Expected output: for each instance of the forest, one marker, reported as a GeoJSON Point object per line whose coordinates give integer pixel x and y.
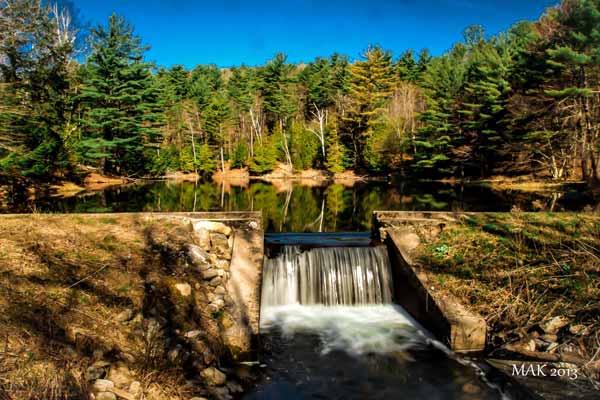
{"type": "Point", "coordinates": [524, 102]}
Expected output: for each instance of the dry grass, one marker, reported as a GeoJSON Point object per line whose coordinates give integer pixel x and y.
{"type": "Point", "coordinates": [518, 269]}
{"type": "Point", "coordinates": [63, 279]}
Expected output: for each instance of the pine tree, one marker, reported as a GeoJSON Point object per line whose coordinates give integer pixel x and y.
{"type": "Point", "coordinates": [439, 141]}
{"type": "Point", "coordinates": [407, 67]}
{"type": "Point", "coordinates": [36, 43]}
{"type": "Point", "coordinates": [372, 81]}
{"type": "Point", "coordinates": [336, 156]}
{"type": "Point", "coordinates": [122, 101]}
{"type": "Point", "coordinates": [575, 57]}
{"type": "Point", "coordinates": [277, 90]}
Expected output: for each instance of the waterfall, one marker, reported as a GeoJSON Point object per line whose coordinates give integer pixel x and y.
{"type": "Point", "coordinates": [329, 276]}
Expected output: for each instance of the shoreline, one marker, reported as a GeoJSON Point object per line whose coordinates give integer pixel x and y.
{"type": "Point", "coordinates": [283, 177]}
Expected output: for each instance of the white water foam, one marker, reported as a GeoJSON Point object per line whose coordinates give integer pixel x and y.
{"type": "Point", "coordinates": [357, 330]}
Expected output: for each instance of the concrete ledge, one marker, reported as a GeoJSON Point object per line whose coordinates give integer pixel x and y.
{"type": "Point", "coordinates": [461, 329]}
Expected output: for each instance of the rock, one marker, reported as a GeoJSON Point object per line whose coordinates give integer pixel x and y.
{"type": "Point", "coordinates": [102, 385]}
{"type": "Point", "coordinates": [125, 315]}
{"type": "Point", "coordinates": [216, 281]}
{"type": "Point", "coordinates": [552, 347]}
{"type": "Point", "coordinates": [222, 264]}
{"type": "Point", "coordinates": [219, 303]}
{"type": "Point", "coordinates": [579, 330]}
{"type": "Point", "coordinates": [192, 334]}
{"type": "Point", "coordinates": [548, 338]}
{"type": "Point", "coordinates": [253, 225]}
{"type": "Point", "coordinates": [220, 243]}
{"type": "Point", "coordinates": [120, 375]}
{"type": "Point", "coordinates": [209, 274]}
{"type": "Point", "coordinates": [213, 376]}
{"type": "Point", "coordinates": [202, 236]}
{"type": "Point", "coordinates": [127, 357]}
{"type": "Point", "coordinates": [525, 344]}
{"type": "Point", "coordinates": [220, 290]}
{"type": "Point", "coordinates": [554, 324]}
{"type": "Point", "coordinates": [96, 371]}
{"type": "Point", "coordinates": [135, 388]}
{"type": "Point", "coordinates": [184, 289]}
{"type": "Point", "coordinates": [198, 256]}
{"type": "Point", "coordinates": [213, 227]}
{"type": "Point", "coordinates": [198, 398]}
{"type": "Point", "coordinates": [123, 394]}
{"type": "Point", "coordinates": [105, 396]}
{"type": "Point", "coordinates": [212, 308]}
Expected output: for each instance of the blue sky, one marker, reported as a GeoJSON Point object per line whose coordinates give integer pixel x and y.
{"type": "Point", "coordinates": [232, 32]}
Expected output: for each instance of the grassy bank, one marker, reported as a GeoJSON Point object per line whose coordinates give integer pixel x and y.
{"type": "Point", "coordinates": [521, 271]}
{"type": "Point", "coordinates": [83, 296]}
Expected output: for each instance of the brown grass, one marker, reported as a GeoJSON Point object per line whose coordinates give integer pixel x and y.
{"type": "Point", "coordinates": [518, 269]}
{"type": "Point", "coordinates": [63, 279]}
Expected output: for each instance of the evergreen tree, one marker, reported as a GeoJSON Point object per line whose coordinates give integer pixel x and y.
{"type": "Point", "coordinates": [407, 67]}
{"type": "Point", "coordinates": [575, 57]}
{"type": "Point", "coordinates": [277, 90]}
{"type": "Point", "coordinates": [336, 157]}
{"type": "Point", "coordinates": [372, 81]}
{"type": "Point", "coordinates": [439, 142]}
{"type": "Point", "coordinates": [36, 43]}
{"type": "Point", "coordinates": [122, 100]}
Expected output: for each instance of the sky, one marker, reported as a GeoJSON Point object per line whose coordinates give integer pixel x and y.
{"type": "Point", "coordinates": [235, 32]}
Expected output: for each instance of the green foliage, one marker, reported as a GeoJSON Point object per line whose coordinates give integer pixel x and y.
{"type": "Point", "coordinates": [34, 89]}
{"type": "Point", "coordinates": [304, 147]}
{"type": "Point", "coordinates": [239, 157]}
{"type": "Point", "coordinates": [121, 100]}
{"type": "Point", "coordinates": [336, 161]}
{"type": "Point", "coordinates": [265, 157]}
{"type": "Point", "coordinates": [206, 162]}
{"type": "Point", "coordinates": [523, 101]}
{"type": "Point", "coordinates": [371, 83]}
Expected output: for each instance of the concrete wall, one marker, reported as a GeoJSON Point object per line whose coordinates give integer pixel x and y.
{"type": "Point", "coordinates": [442, 315]}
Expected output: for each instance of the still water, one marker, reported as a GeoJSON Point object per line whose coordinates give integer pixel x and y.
{"type": "Point", "coordinates": [288, 207]}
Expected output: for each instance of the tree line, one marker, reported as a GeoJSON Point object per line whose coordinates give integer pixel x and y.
{"type": "Point", "coordinates": [525, 101]}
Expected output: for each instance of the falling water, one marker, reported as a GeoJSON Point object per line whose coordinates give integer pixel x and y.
{"type": "Point", "coordinates": [330, 276]}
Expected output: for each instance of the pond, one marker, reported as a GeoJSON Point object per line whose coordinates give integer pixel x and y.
{"type": "Point", "coordinates": [288, 207]}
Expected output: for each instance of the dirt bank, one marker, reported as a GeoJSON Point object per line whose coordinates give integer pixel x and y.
{"type": "Point", "coordinates": [126, 305]}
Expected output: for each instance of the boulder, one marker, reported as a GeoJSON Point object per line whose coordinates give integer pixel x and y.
{"type": "Point", "coordinates": [210, 273]}
{"type": "Point", "coordinates": [198, 256]}
{"type": "Point", "coordinates": [212, 226]}
{"type": "Point", "coordinates": [202, 238]}
{"type": "Point", "coordinates": [213, 376]}
{"type": "Point", "coordinates": [216, 281]}
{"type": "Point", "coordinates": [220, 243]}
{"type": "Point", "coordinates": [220, 290]}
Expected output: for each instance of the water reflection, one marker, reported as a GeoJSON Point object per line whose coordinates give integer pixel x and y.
{"type": "Point", "coordinates": [295, 208]}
